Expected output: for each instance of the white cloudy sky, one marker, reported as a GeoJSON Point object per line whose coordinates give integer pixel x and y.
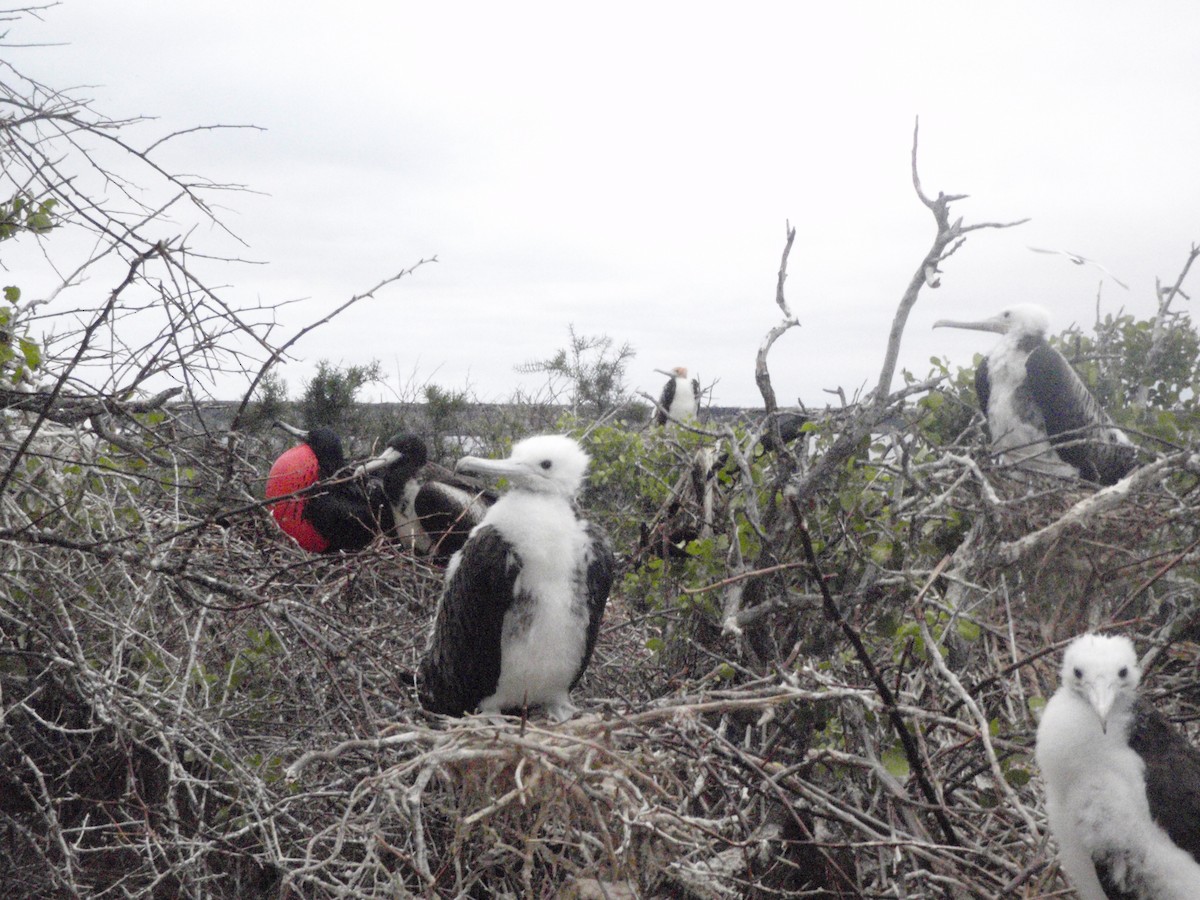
{"type": "Point", "coordinates": [630, 167]}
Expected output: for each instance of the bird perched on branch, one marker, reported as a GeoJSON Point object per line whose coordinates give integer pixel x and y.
{"type": "Point", "coordinates": [1040, 414]}
{"type": "Point", "coordinates": [521, 609]}
{"type": "Point", "coordinates": [346, 514]}
{"type": "Point", "coordinates": [1122, 785]}
{"type": "Point", "coordinates": [680, 398]}
{"type": "Point", "coordinates": [433, 508]}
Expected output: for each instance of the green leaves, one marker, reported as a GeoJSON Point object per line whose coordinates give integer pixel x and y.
{"type": "Point", "coordinates": [23, 213]}
{"type": "Point", "coordinates": [330, 394]}
{"type": "Point", "coordinates": [881, 552]}
{"type": "Point", "coordinates": [937, 621]}
{"type": "Point", "coordinates": [1137, 375]}
{"type": "Point", "coordinates": [895, 761]}
{"type": "Point", "coordinates": [591, 372]}
{"type": "Point", "coordinates": [31, 352]}
{"type": "Point", "coordinates": [26, 355]}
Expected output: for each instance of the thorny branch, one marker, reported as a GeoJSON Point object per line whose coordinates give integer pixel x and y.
{"type": "Point", "coordinates": [1162, 320]}
{"type": "Point", "coordinates": [910, 748]}
{"type": "Point", "coordinates": [947, 240]}
{"type": "Point", "coordinates": [68, 370]}
{"type": "Point", "coordinates": [192, 706]}
{"type": "Point", "coordinates": [279, 352]}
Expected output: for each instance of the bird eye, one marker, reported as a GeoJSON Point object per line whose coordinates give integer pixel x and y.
{"type": "Point", "coordinates": [546, 464]}
{"type": "Point", "coordinates": [1078, 672]}
{"type": "Point", "coordinates": [1123, 672]}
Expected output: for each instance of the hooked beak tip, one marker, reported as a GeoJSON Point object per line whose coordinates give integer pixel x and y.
{"type": "Point", "coordinates": [1102, 697]}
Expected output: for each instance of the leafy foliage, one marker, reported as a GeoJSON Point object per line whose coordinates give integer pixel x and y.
{"type": "Point", "coordinates": [20, 354]}
{"type": "Point", "coordinates": [818, 675]}
{"type": "Point", "coordinates": [590, 371]}
{"type": "Point", "coordinates": [22, 213]}
{"type": "Point", "coordinates": [1145, 385]}
{"type": "Point", "coordinates": [328, 397]}
{"type": "Point", "coordinates": [443, 412]}
{"type": "Point", "coordinates": [270, 401]}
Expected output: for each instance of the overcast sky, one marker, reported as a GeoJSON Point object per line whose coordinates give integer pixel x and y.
{"type": "Point", "coordinates": [629, 168]}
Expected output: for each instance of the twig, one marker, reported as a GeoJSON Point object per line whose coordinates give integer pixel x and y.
{"type": "Point", "coordinates": [1082, 513]}
{"type": "Point", "coordinates": [915, 762]}
{"type": "Point", "coordinates": [762, 375]}
{"type": "Point", "coordinates": [82, 347]}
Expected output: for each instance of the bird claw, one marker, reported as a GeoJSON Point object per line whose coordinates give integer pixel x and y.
{"type": "Point", "coordinates": [561, 709]}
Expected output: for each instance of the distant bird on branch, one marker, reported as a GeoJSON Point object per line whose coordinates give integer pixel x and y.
{"type": "Point", "coordinates": [680, 398]}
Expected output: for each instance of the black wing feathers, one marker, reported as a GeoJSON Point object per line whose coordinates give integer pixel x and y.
{"type": "Point", "coordinates": [1075, 422]}
{"type": "Point", "coordinates": [462, 664]}
{"type": "Point", "coordinates": [599, 582]}
{"type": "Point", "coordinates": [664, 402]}
{"type": "Point", "coordinates": [448, 513]}
{"type": "Point", "coordinates": [983, 389]}
{"type": "Point", "coordinates": [1172, 776]}
{"type": "Point", "coordinates": [1065, 402]}
{"type": "Point", "coordinates": [348, 514]}
{"type": "Point", "coordinates": [1108, 865]}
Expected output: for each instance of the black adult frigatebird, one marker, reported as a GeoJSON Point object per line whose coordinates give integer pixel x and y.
{"type": "Point", "coordinates": [345, 514]}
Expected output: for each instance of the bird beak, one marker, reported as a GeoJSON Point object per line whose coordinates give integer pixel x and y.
{"type": "Point", "coordinates": [497, 468]}
{"type": "Point", "coordinates": [382, 461]}
{"type": "Point", "coordinates": [290, 429]}
{"type": "Point", "coordinates": [665, 372]}
{"type": "Point", "coordinates": [1102, 694]}
{"type": "Point", "coordinates": [984, 325]}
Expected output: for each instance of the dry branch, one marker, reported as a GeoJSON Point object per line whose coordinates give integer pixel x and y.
{"type": "Point", "coordinates": [194, 707]}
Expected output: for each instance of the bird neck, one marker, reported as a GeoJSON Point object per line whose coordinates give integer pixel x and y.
{"type": "Point", "coordinates": [395, 479]}
{"type": "Point", "coordinates": [1072, 743]}
{"type": "Point", "coordinates": [1024, 342]}
{"type": "Point", "coordinates": [534, 520]}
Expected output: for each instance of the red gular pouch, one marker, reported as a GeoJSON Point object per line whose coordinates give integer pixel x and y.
{"type": "Point", "coordinates": [295, 470]}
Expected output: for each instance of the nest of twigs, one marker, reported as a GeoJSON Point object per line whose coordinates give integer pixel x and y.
{"type": "Point", "coordinates": [194, 707]}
